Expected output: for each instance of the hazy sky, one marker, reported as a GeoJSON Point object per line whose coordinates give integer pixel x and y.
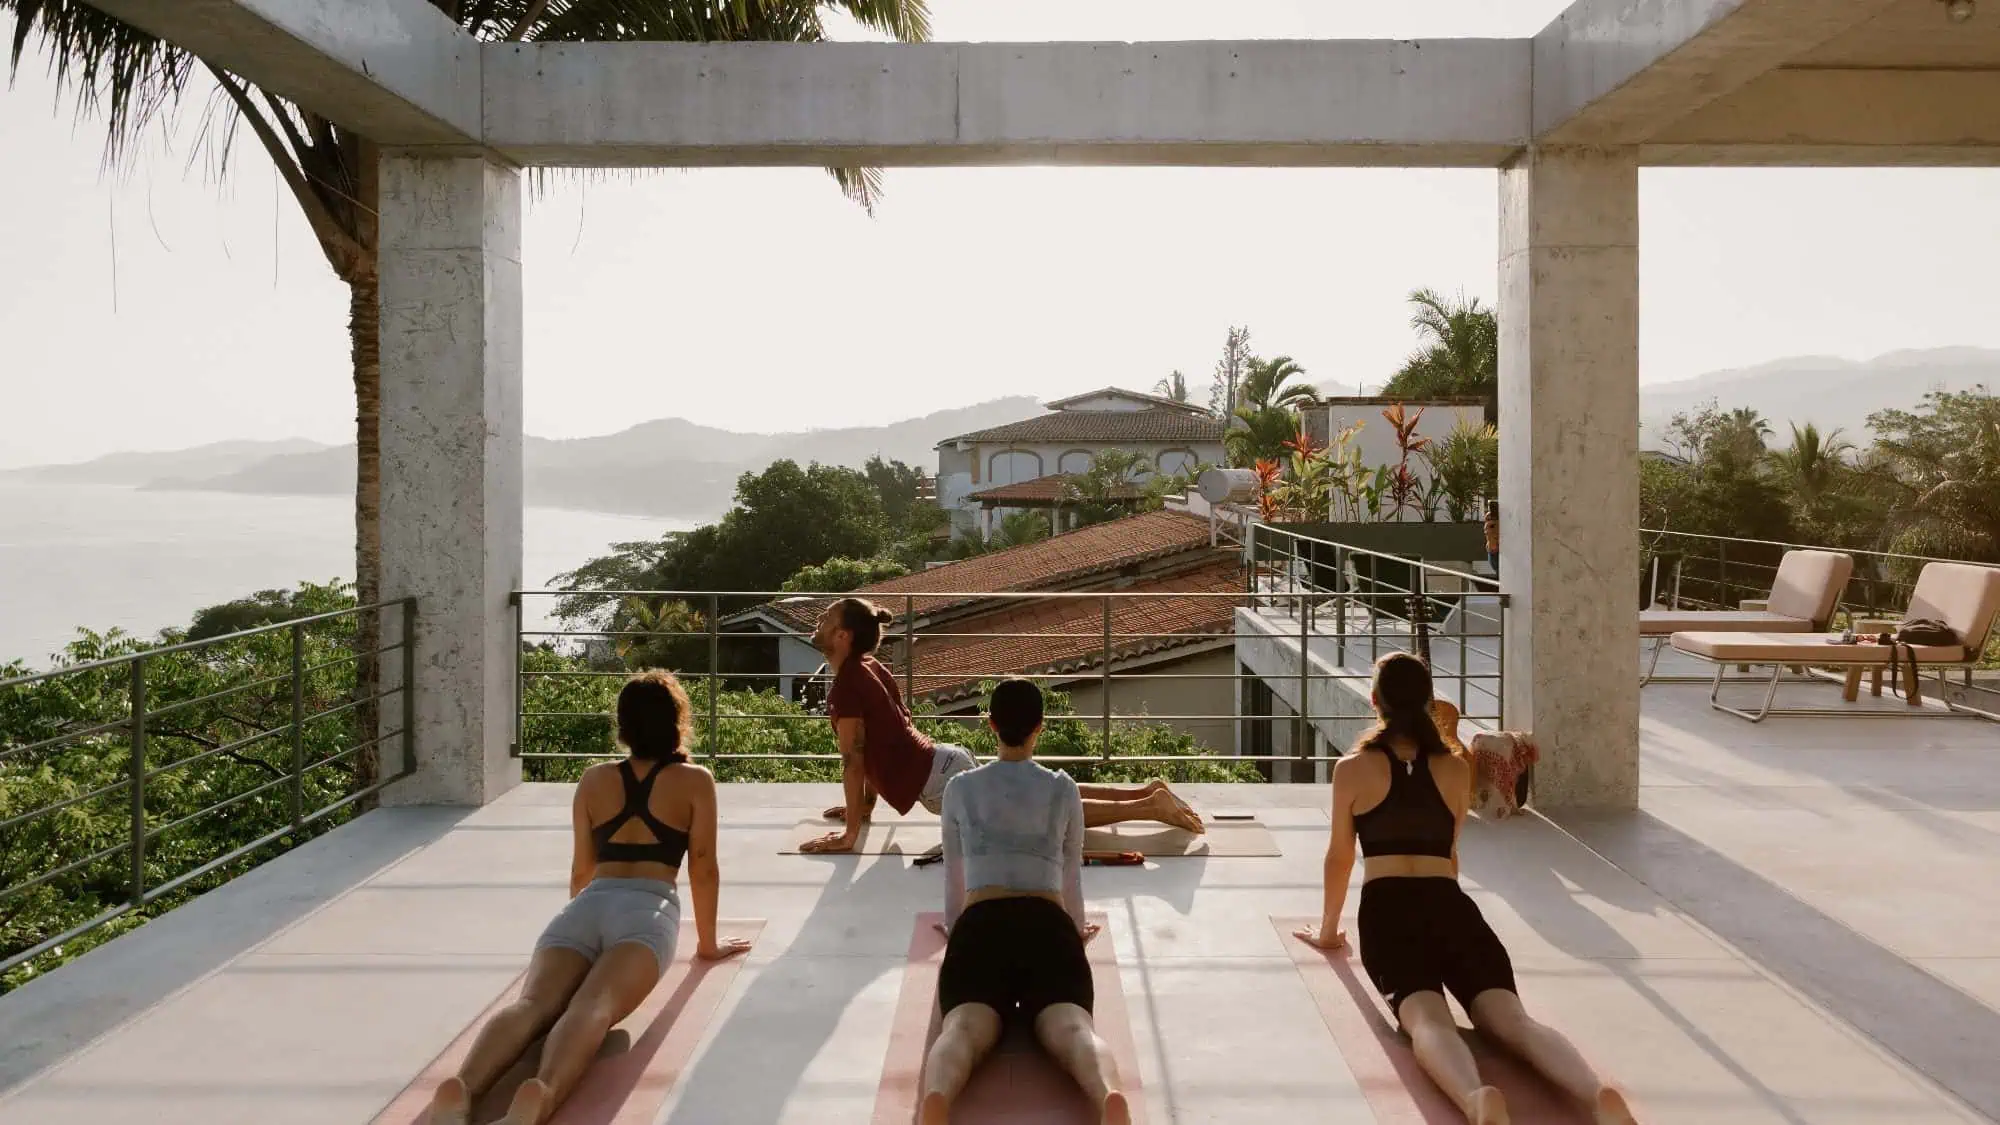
{"type": "Point", "coordinates": [161, 309]}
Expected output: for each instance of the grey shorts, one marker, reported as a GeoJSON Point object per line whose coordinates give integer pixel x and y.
{"type": "Point", "coordinates": [612, 911]}
{"type": "Point", "coordinates": [947, 762]}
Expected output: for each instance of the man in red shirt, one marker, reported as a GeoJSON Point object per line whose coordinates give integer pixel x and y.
{"type": "Point", "coordinates": [882, 751]}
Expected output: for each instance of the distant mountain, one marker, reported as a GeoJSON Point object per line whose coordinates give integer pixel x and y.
{"type": "Point", "coordinates": [668, 467]}
{"type": "Point", "coordinates": [1824, 390]}
{"type": "Point", "coordinates": [142, 468]}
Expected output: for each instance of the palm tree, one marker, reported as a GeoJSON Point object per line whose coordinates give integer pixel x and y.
{"type": "Point", "coordinates": [1811, 464]}
{"type": "Point", "coordinates": [1173, 386]}
{"type": "Point", "coordinates": [1459, 354]}
{"type": "Point", "coordinates": [130, 77]}
{"type": "Point", "coordinates": [1264, 385]}
{"type": "Point", "coordinates": [1260, 434]}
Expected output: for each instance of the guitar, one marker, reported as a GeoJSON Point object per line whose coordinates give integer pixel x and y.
{"type": "Point", "coordinates": [1443, 713]}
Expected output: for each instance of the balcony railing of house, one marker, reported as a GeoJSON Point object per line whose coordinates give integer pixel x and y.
{"type": "Point", "coordinates": [143, 778]}
{"type": "Point", "coordinates": [569, 676]}
{"type": "Point", "coordinates": [1683, 570]}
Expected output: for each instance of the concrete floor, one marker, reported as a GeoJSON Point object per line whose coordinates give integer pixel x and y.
{"type": "Point", "coordinates": [1798, 926]}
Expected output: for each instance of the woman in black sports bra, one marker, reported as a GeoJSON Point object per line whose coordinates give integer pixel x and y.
{"type": "Point", "coordinates": [634, 822]}
{"type": "Point", "coordinates": [1403, 794]}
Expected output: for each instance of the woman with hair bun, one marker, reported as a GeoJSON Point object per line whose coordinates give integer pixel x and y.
{"type": "Point", "coordinates": [636, 822]}
{"type": "Point", "coordinates": [1403, 793]}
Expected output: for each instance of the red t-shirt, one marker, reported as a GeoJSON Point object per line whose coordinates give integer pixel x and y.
{"type": "Point", "coordinates": [895, 755]}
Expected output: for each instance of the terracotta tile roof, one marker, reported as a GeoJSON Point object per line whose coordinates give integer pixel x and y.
{"type": "Point", "coordinates": [1044, 565]}
{"type": "Point", "coordinates": [1067, 633]}
{"type": "Point", "coordinates": [1156, 424]}
{"type": "Point", "coordinates": [1046, 490]}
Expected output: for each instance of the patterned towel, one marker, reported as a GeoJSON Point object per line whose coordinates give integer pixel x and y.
{"type": "Point", "coordinates": [1498, 761]}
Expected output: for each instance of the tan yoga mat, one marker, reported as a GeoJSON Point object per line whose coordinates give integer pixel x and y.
{"type": "Point", "coordinates": [1379, 1057]}
{"type": "Point", "coordinates": [1227, 838]}
{"type": "Point", "coordinates": [637, 1065]}
{"type": "Point", "coordinates": [1018, 1083]}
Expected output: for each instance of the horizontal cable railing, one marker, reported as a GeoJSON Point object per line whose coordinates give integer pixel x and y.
{"type": "Point", "coordinates": [135, 780]}
{"type": "Point", "coordinates": [1153, 675]}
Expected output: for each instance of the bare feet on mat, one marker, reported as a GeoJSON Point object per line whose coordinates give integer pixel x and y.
{"type": "Point", "coordinates": [837, 812]}
{"type": "Point", "coordinates": [936, 1109]}
{"type": "Point", "coordinates": [1487, 1107]}
{"type": "Point", "coordinates": [1169, 809]}
{"type": "Point", "coordinates": [1117, 1110]}
{"type": "Point", "coordinates": [451, 1104]}
{"type": "Point", "coordinates": [529, 1105]}
{"type": "Point", "coordinates": [1611, 1108]}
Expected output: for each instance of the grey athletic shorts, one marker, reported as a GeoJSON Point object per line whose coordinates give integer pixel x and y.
{"type": "Point", "coordinates": [947, 762]}
{"type": "Point", "coordinates": [612, 911]}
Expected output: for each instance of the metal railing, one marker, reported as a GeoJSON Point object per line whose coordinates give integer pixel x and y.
{"type": "Point", "coordinates": [107, 797]}
{"type": "Point", "coordinates": [1081, 641]}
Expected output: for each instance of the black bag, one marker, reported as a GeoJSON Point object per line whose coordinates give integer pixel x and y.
{"type": "Point", "coordinates": [1917, 631]}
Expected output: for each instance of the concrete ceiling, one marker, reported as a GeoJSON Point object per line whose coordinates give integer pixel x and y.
{"type": "Point", "coordinates": [1914, 34]}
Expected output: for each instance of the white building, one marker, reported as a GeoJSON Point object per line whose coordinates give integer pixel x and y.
{"type": "Point", "coordinates": [1169, 437]}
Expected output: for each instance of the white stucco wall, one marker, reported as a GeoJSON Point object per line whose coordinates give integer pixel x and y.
{"type": "Point", "coordinates": [1377, 438]}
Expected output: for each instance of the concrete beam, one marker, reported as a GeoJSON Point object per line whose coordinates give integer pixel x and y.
{"type": "Point", "coordinates": [1443, 103]}
{"type": "Point", "coordinates": [396, 71]}
{"type": "Point", "coordinates": [1853, 117]}
{"type": "Point", "coordinates": [1611, 72]}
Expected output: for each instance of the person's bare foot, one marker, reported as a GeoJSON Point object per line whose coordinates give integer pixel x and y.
{"type": "Point", "coordinates": [936, 1109]}
{"type": "Point", "coordinates": [1487, 1107]}
{"type": "Point", "coordinates": [1169, 809]}
{"type": "Point", "coordinates": [1611, 1108]}
{"type": "Point", "coordinates": [529, 1105]}
{"type": "Point", "coordinates": [837, 812]}
{"type": "Point", "coordinates": [451, 1104]}
{"type": "Point", "coordinates": [1117, 1110]}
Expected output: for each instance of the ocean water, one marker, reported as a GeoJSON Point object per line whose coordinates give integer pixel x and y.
{"type": "Point", "coordinates": [102, 555]}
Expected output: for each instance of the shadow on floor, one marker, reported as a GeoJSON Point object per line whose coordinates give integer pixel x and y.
{"type": "Point", "coordinates": [1929, 1024]}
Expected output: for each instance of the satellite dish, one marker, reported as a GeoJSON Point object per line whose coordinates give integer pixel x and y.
{"type": "Point", "coordinates": [1227, 486]}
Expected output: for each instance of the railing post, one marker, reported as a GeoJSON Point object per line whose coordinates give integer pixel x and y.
{"type": "Point", "coordinates": [1340, 585]}
{"type": "Point", "coordinates": [137, 784]}
{"type": "Point", "coordinates": [298, 726]}
{"type": "Point", "coordinates": [1104, 678]}
{"type": "Point", "coordinates": [910, 653]}
{"type": "Point", "coordinates": [410, 682]}
{"type": "Point", "coordinates": [1464, 651]}
{"type": "Point", "coordinates": [1722, 572]}
{"type": "Point", "coordinates": [714, 674]}
{"type": "Point", "coordinates": [1374, 610]}
{"type": "Point", "coordinates": [1301, 726]}
{"type": "Point", "coordinates": [520, 675]}
{"type": "Point", "coordinates": [1500, 661]}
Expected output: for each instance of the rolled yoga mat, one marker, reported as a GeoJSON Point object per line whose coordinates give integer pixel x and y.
{"type": "Point", "coordinates": [1379, 1057]}
{"type": "Point", "coordinates": [1018, 1083]}
{"type": "Point", "coordinates": [914, 837]}
{"type": "Point", "coordinates": [637, 1065]}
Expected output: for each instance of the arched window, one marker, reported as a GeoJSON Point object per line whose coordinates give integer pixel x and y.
{"type": "Point", "coordinates": [1174, 461]}
{"type": "Point", "coordinates": [1013, 466]}
{"type": "Point", "coordinates": [1075, 461]}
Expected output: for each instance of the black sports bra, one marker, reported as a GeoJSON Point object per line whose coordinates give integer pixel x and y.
{"type": "Point", "coordinates": [670, 845]}
{"type": "Point", "coordinates": [1414, 819]}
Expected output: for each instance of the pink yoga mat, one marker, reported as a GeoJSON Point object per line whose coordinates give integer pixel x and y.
{"type": "Point", "coordinates": [1018, 1083]}
{"type": "Point", "coordinates": [625, 1087]}
{"type": "Point", "coordinates": [1380, 1058]}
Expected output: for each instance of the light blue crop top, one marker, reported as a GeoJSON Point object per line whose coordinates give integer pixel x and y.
{"type": "Point", "coordinates": [1016, 825]}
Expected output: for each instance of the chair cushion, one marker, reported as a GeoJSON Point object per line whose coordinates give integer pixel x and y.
{"type": "Point", "coordinates": [1962, 595]}
{"type": "Point", "coordinates": [1660, 622]}
{"type": "Point", "coordinates": [1809, 583]}
{"type": "Point", "coordinates": [1781, 648]}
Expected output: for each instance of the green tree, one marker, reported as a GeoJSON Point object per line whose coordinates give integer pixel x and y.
{"type": "Point", "coordinates": [130, 78]}
{"type": "Point", "coordinates": [1264, 385]}
{"type": "Point", "coordinates": [839, 575]}
{"type": "Point", "coordinates": [1943, 461]}
{"type": "Point", "coordinates": [1111, 488]}
{"type": "Point", "coordinates": [1174, 386]}
{"type": "Point", "coordinates": [1259, 434]}
{"type": "Point", "coordinates": [1230, 371]}
{"type": "Point", "coordinates": [1459, 350]}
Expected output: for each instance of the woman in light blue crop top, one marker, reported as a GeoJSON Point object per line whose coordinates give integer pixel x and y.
{"type": "Point", "coordinates": [1013, 856]}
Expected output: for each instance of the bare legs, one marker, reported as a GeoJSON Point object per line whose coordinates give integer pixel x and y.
{"type": "Point", "coordinates": [1498, 1013]}
{"type": "Point", "coordinates": [1064, 1031]}
{"type": "Point", "coordinates": [1434, 1036]}
{"type": "Point", "coordinates": [609, 992]}
{"type": "Point", "coordinates": [1113, 804]}
{"type": "Point", "coordinates": [553, 977]}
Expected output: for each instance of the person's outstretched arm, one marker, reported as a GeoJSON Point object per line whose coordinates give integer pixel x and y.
{"type": "Point", "coordinates": [954, 855]}
{"type": "Point", "coordinates": [857, 801]}
{"type": "Point", "coordinates": [1072, 857]}
{"type": "Point", "coordinates": [1339, 862]}
{"type": "Point", "coordinates": [583, 850]}
{"type": "Point", "coordinates": [704, 873]}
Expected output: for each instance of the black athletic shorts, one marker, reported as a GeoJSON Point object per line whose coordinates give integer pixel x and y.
{"type": "Point", "coordinates": [1424, 934]}
{"type": "Point", "coordinates": [1016, 956]}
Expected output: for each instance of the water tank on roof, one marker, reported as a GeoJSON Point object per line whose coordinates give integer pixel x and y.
{"type": "Point", "coordinates": [1227, 486]}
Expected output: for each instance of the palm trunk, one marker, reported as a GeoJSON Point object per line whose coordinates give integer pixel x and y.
{"type": "Point", "coordinates": [364, 328]}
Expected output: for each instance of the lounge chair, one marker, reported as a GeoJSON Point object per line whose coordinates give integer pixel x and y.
{"type": "Point", "coordinates": [1804, 593]}
{"type": "Point", "coordinates": [1962, 595]}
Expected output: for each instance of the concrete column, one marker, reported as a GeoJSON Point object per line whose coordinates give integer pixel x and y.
{"type": "Point", "coordinates": [1569, 467]}
{"type": "Point", "coordinates": [451, 460]}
